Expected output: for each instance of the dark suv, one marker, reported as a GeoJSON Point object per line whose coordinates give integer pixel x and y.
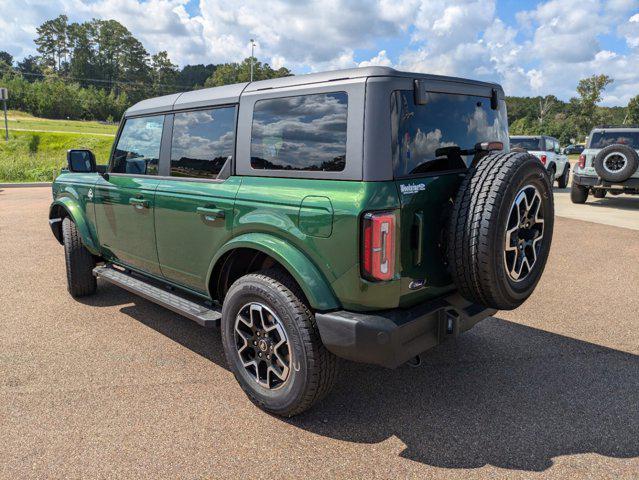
{"type": "Point", "coordinates": [367, 214]}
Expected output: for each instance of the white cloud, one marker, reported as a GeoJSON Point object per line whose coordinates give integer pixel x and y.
{"type": "Point", "coordinates": [546, 50]}
{"type": "Point", "coordinates": [381, 59]}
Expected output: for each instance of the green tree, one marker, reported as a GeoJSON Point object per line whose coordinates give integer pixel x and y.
{"type": "Point", "coordinates": [30, 67]}
{"type": "Point", "coordinates": [165, 73]}
{"type": "Point", "coordinates": [229, 73]}
{"type": "Point", "coordinates": [6, 59]}
{"type": "Point", "coordinates": [53, 42]}
{"type": "Point", "coordinates": [632, 114]}
{"type": "Point", "coordinates": [195, 75]}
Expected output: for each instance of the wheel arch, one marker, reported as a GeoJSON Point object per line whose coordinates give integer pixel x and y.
{"type": "Point", "coordinates": [254, 251]}
{"type": "Point", "coordinates": [68, 207]}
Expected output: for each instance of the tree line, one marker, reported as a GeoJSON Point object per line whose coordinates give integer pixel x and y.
{"type": "Point", "coordinates": [95, 70]}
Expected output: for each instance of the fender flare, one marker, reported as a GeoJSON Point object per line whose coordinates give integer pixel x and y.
{"type": "Point", "coordinates": [306, 274]}
{"type": "Point", "coordinates": [74, 211]}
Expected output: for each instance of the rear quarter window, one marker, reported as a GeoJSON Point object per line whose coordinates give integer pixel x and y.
{"type": "Point", "coordinates": [305, 132]}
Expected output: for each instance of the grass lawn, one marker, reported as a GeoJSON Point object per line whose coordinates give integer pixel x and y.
{"type": "Point", "coordinates": [39, 156]}
{"type": "Point", "coordinates": [37, 147]}
{"type": "Point", "coordinates": [21, 121]}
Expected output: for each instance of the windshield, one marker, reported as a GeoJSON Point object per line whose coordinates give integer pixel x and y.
{"type": "Point", "coordinates": [602, 139]}
{"type": "Point", "coordinates": [423, 134]}
{"type": "Point", "coordinates": [525, 143]}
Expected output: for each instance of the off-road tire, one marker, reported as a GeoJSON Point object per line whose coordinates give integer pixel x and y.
{"type": "Point", "coordinates": [578, 193]}
{"type": "Point", "coordinates": [315, 368]}
{"type": "Point", "coordinates": [562, 182]}
{"type": "Point", "coordinates": [621, 175]}
{"type": "Point", "coordinates": [599, 192]}
{"type": "Point", "coordinates": [552, 173]}
{"type": "Point", "coordinates": [476, 230]}
{"type": "Point", "coordinates": [79, 262]}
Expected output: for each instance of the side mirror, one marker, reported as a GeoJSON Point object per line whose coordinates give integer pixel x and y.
{"type": "Point", "coordinates": [557, 150]}
{"type": "Point", "coordinates": [81, 161]}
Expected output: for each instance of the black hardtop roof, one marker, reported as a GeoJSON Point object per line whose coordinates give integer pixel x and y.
{"type": "Point", "coordinates": [232, 93]}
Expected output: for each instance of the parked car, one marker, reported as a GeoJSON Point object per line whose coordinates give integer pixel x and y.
{"type": "Point", "coordinates": [609, 164]}
{"type": "Point", "coordinates": [367, 214]}
{"type": "Point", "coordinates": [548, 151]}
{"type": "Point", "coordinates": [573, 149]}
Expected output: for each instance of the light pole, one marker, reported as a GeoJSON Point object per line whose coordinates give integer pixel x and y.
{"type": "Point", "coordinates": [252, 58]}
{"type": "Point", "coordinates": [4, 96]}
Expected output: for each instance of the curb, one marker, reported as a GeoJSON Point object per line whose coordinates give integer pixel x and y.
{"type": "Point", "coordinates": [19, 185]}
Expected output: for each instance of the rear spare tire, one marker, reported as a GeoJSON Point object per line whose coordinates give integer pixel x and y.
{"type": "Point", "coordinates": [500, 231]}
{"type": "Point", "coordinates": [616, 163]}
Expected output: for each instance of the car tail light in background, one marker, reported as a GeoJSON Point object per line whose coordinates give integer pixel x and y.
{"type": "Point", "coordinates": [378, 245]}
{"type": "Point", "coordinates": [582, 161]}
{"type": "Point", "coordinates": [543, 159]}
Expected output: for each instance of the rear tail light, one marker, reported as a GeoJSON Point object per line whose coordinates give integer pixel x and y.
{"type": "Point", "coordinates": [378, 245]}
{"type": "Point", "coordinates": [582, 161]}
{"type": "Point", "coordinates": [543, 159]}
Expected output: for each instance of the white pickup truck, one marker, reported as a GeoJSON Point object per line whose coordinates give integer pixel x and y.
{"type": "Point", "coordinates": [547, 150]}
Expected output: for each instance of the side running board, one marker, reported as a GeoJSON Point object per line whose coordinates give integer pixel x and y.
{"type": "Point", "coordinates": [198, 312]}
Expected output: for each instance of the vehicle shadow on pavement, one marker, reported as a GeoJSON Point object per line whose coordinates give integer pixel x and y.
{"type": "Point", "coordinates": [618, 203]}
{"type": "Point", "coordinates": [502, 394]}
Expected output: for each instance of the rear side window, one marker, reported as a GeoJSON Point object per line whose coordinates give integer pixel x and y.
{"type": "Point", "coordinates": [432, 137]}
{"type": "Point", "coordinates": [603, 138]}
{"type": "Point", "coordinates": [202, 142]}
{"type": "Point", "coordinates": [306, 132]}
{"type": "Point", "coordinates": [138, 149]}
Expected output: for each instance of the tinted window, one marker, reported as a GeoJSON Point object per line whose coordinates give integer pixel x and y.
{"type": "Point", "coordinates": [138, 148]}
{"type": "Point", "coordinates": [433, 137]}
{"type": "Point", "coordinates": [202, 142]}
{"type": "Point", "coordinates": [602, 139]}
{"type": "Point", "coordinates": [300, 133]}
{"type": "Point", "coordinates": [525, 143]}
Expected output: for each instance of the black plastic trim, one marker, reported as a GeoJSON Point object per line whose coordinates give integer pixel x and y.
{"type": "Point", "coordinates": [391, 337]}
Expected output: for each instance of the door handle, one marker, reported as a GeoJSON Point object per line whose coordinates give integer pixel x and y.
{"type": "Point", "coordinates": [210, 214]}
{"type": "Point", "coordinates": [139, 203]}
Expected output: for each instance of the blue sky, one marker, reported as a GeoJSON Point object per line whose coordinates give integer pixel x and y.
{"type": "Point", "coordinates": [530, 47]}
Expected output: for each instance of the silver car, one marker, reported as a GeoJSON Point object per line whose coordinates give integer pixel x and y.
{"type": "Point", "coordinates": [547, 150]}
{"type": "Point", "coordinates": [610, 163]}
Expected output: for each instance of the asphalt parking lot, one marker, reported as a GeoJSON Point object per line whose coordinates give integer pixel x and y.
{"type": "Point", "coordinates": [114, 386]}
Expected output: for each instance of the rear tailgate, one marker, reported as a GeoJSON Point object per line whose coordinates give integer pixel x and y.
{"type": "Point", "coordinates": [425, 206]}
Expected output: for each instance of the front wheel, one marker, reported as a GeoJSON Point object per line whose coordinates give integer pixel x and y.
{"type": "Point", "coordinates": [599, 192]}
{"type": "Point", "coordinates": [79, 262]}
{"type": "Point", "coordinates": [562, 182]}
{"type": "Point", "coordinates": [272, 344]}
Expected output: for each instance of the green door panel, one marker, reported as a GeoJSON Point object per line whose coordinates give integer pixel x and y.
{"type": "Point", "coordinates": [72, 191]}
{"type": "Point", "coordinates": [124, 215]}
{"type": "Point", "coordinates": [192, 221]}
{"type": "Point", "coordinates": [316, 216]}
{"type": "Point", "coordinates": [307, 275]}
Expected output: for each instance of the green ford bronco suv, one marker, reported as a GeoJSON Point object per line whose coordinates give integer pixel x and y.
{"type": "Point", "coordinates": [367, 214]}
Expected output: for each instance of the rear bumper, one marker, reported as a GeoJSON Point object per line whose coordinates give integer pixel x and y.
{"type": "Point", "coordinates": [390, 338]}
{"type": "Point", "coordinates": [590, 181]}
